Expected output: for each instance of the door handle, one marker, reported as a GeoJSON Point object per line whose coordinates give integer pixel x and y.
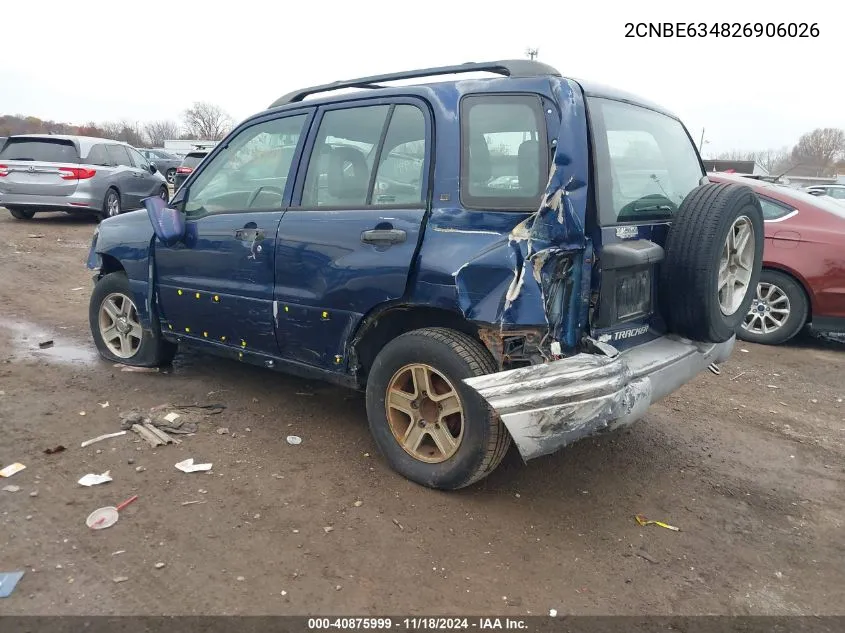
{"type": "Point", "coordinates": [383, 236]}
{"type": "Point", "coordinates": [249, 235]}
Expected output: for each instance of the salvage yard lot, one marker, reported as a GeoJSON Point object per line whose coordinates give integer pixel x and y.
{"type": "Point", "coordinates": [749, 465]}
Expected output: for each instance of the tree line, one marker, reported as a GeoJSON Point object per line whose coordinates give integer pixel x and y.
{"type": "Point", "coordinates": [817, 153]}
{"type": "Point", "coordinates": [203, 120]}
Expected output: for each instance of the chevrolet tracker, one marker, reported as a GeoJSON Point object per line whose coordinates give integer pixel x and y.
{"type": "Point", "coordinates": [517, 258]}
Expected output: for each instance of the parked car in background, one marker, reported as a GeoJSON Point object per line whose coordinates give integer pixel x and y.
{"type": "Point", "coordinates": [186, 168]}
{"type": "Point", "coordinates": [164, 161]}
{"type": "Point", "coordinates": [803, 278]}
{"type": "Point", "coordinates": [333, 238]}
{"type": "Point", "coordinates": [75, 174]}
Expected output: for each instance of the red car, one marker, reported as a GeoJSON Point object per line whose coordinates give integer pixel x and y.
{"type": "Point", "coordinates": [803, 279]}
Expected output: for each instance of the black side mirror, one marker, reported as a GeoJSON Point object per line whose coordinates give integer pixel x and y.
{"type": "Point", "coordinates": [153, 168]}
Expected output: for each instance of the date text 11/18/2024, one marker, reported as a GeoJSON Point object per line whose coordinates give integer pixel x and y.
{"type": "Point", "coordinates": [418, 623]}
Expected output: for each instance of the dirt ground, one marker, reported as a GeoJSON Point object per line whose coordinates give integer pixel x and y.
{"type": "Point", "coordinates": [749, 465]}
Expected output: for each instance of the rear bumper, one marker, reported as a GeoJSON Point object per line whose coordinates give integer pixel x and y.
{"type": "Point", "coordinates": [546, 407]}
{"type": "Point", "coordinates": [80, 201]}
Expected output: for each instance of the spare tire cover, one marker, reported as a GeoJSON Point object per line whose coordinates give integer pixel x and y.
{"type": "Point", "coordinates": [714, 254]}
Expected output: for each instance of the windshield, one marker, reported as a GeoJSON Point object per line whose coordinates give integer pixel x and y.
{"type": "Point", "coordinates": [165, 155]}
{"type": "Point", "coordinates": [646, 162]}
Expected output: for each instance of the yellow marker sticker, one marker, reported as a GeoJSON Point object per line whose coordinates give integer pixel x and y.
{"type": "Point", "coordinates": [222, 338]}
{"type": "Point", "coordinates": [287, 309]}
{"type": "Point", "coordinates": [205, 334]}
{"type": "Point", "coordinates": [197, 295]}
{"type": "Point", "coordinates": [325, 315]}
{"type": "Point", "coordinates": [179, 292]}
{"type": "Point", "coordinates": [240, 354]}
{"type": "Point", "coordinates": [243, 343]}
{"type": "Point", "coordinates": [170, 326]}
{"type": "Point", "coordinates": [216, 299]}
{"type": "Point", "coordinates": [641, 520]}
{"type": "Point", "coordinates": [338, 359]}
{"type": "Point", "coordinates": [187, 329]}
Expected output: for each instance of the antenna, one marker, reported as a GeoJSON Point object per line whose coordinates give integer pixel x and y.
{"type": "Point", "coordinates": [531, 53]}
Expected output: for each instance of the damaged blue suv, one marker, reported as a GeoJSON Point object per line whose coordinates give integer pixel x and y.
{"type": "Point", "coordinates": [518, 258]}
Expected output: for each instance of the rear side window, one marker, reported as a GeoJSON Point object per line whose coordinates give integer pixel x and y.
{"type": "Point", "coordinates": [43, 150]}
{"type": "Point", "coordinates": [98, 156]}
{"type": "Point", "coordinates": [504, 151]}
{"type": "Point", "coordinates": [119, 155]}
{"type": "Point", "coordinates": [773, 210]}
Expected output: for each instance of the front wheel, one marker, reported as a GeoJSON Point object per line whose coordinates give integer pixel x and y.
{"type": "Point", "coordinates": [778, 311]}
{"type": "Point", "coordinates": [117, 329]}
{"type": "Point", "coordinates": [164, 194]}
{"type": "Point", "coordinates": [431, 427]}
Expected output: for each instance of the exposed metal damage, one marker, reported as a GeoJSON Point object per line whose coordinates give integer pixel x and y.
{"type": "Point", "coordinates": [545, 407]}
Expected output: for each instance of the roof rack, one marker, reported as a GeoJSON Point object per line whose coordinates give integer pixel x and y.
{"type": "Point", "coordinates": [508, 68]}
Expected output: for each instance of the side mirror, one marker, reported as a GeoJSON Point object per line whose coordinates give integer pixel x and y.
{"type": "Point", "coordinates": [153, 168]}
{"type": "Point", "coordinates": [168, 223]}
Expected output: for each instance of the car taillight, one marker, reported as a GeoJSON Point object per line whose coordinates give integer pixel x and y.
{"type": "Point", "coordinates": [184, 170]}
{"type": "Point", "coordinates": [4, 170]}
{"type": "Point", "coordinates": [76, 173]}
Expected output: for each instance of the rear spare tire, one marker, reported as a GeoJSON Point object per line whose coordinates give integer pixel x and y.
{"type": "Point", "coordinates": [714, 253]}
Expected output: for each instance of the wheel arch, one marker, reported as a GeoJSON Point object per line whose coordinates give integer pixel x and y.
{"type": "Point", "coordinates": [380, 327]}
{"type": "Point", "coordinates": [797, 278]}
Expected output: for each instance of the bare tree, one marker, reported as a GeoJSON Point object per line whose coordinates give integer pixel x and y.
{"type": "Point", "coordinates": [772, 160]}
{"type": "Point", "coordinates": [820, 149]}
{"type": "Point", "coordinates": [160, 131]}
{"type": "Point", "coordinates": [207, 121]}
{"type": "Point", "coordinates": [126, 131]}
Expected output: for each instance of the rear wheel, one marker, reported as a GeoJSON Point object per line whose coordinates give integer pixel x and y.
{"type": "Point", "coordinates": [111, 205]}
{"type": "Point", "coordinates": [21, 214]}
{"type": "Point", "coordinates": [117, 329]}
{"type": "Point", "coordinates": [431, 427]}
{"type": "Point", "coordinates": [171, 176]}
{"type": "Point", "coordinates": [778, 311]}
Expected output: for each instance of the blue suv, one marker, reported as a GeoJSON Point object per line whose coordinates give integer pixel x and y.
{"type": "Point", "coordinates": [518, 258]}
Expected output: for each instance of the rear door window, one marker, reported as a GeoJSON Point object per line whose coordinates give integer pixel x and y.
{"type": "Point", "coordinates": [41, 150]}
{"type": "Point", "coordinates": [504, 151]}
{"type": "Point", "coordinates": [119, 155]}
{"type": "Point", "coordinates": [98, 156]}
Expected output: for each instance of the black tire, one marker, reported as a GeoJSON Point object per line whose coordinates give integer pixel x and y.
{"type": "Point", "coordinates": [456, 356]}
{"type": "Point", "coordinates": [112, 195]}
{"type": "Point", "coordinates": [689, 284]}
{"type": "Point", "coordinates": [170, 176]}
{"type": "Point", "coordinates": [153, 350]}
{"type": "Point", "coordinates": [795, 301]}
{"type": "Point", "coordinates": [21, 214]}
{"type": "Point", "coordinates": [164, 194]}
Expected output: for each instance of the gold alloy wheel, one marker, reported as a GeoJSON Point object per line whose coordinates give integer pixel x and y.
{"type": "Point", "coordinates": [425, 413]}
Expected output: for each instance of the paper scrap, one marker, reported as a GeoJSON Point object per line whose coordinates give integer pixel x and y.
{"type": "Point", "coordinates": [92, 480]}
{"type": "Point", "coordinates": [100, 438]}
{"type": "Point", "coordinates": [172, 417]}
{"type": "Point", "coordinates": [188, 466]}
{"type": "Point", "coordinates": [11, 488]}
{"type": "Point", "coordinates": [11, 469]}
{"type": "Point", "coordinates": [8, 580]}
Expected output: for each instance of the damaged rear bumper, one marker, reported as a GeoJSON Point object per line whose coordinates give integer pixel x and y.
{"type": "Point", "coordinates": [545, 407]}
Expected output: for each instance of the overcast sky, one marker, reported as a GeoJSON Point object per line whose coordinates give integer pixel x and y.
{"type": "Point", "coordinates": [150, 59]}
